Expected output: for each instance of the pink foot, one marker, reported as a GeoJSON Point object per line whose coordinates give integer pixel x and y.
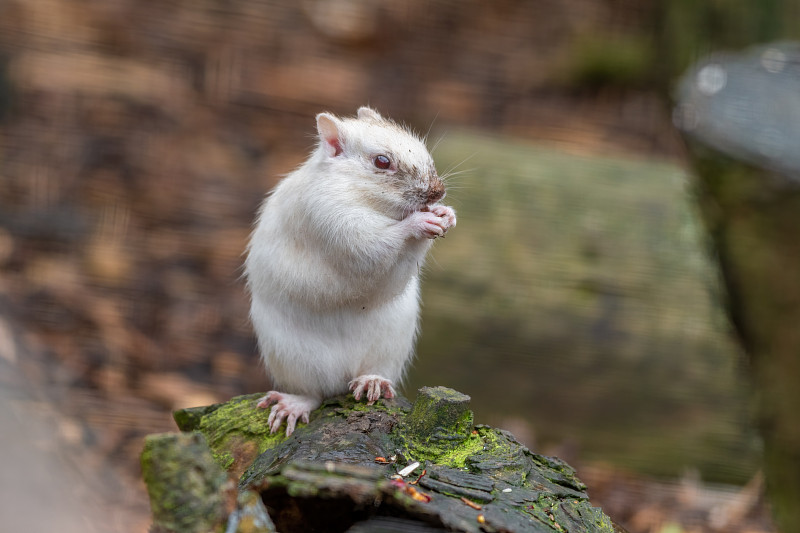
{"type": "Point", "coordinates": [289, 407]}
{"type": "Point", "coordinates": [373, 386]}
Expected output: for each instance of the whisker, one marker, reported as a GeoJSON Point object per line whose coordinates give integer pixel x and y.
{"type": "Point", "coordinates": [438, 141]}
{"type": "Point", "coordinates": [454, 167]}
{"type": "Point", "coordinates": [425, 137]}
{"type": "Point", "coordinates": [456, 173]}
{"type": "Point", "coordinates": [451, 188]}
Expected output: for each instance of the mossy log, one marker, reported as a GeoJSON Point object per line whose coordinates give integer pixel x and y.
{"type": "Point", "coordinates": [352, 468]}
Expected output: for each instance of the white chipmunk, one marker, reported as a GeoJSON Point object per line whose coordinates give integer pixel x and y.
{"type": "Point", "coordinates": [333, 264]}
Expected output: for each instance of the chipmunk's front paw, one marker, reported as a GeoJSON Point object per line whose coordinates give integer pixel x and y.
{"type": "Point", "coordinates": [447, 214]}
{"type": "Point", "coordinates": [289, 407]}
{"type": "Point", "coordinates": [433, 223]}
{"type": "Point", "coordinates": [373, 386]}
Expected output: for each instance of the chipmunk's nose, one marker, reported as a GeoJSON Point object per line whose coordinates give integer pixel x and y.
{"type": "Point", "coordinates": [435, 189]}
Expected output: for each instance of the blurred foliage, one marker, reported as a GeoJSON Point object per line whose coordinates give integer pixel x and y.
{"type": "Point", "coordinates": [598, 61]}
{"type": "Point", "coordinates": [651, 45]}
{"type": "Point", "coordinates": [689, 30]}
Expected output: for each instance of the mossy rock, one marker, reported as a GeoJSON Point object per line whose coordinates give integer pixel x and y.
{"type": "Point", "coordinates": [339, 472]}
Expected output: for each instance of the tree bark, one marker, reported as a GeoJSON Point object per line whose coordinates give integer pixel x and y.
{"type": "Point", "coordinates": [361, 468]}
{"type": "Point", "coordinates": [740, 115]}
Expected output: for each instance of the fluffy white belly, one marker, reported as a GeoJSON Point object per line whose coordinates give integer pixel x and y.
{"type": "Point", "coordinates": [316, 353]}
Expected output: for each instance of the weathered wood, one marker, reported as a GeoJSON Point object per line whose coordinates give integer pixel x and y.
{"type": "Point", "coordinates": [339, 472]}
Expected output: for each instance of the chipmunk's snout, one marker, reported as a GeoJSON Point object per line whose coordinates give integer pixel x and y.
{"type": "Point", "coordinates": [435, 189]}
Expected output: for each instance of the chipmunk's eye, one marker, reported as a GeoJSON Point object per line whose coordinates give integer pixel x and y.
{"type": "Point", "coordinates": [382, 162]}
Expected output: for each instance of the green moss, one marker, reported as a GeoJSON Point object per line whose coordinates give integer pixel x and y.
{"type": "Point", "coordinates": [236, 431]}
{"type": "Point", "coordinates": [347, 404]}
{"type": "Point", "coordinates": [189, 419]}
{"type": "Point", "coordinates": [184, 484]}
{"type": "Point", "coordinates": [439, 428]}
{"type": "Point", "coordinates": [224, 460]}
{"type": "Point", "coordinates": [542, 509]}
{"type": "Point", "coordinates": [452, 453]}
{"type": "Point", "coordinates": [458, 456]}
{"type": "Point", "coordinates": [492, 441]}
{"type": "Point", "coordinates": [455, 456]}
{"type": "Point", "coordinates": [569, 515]}
{"type": "Point", "coordinates": [440, 410]}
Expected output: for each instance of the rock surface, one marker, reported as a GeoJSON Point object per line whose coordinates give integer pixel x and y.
{"type": "Point", "coordinates": [340, 471]}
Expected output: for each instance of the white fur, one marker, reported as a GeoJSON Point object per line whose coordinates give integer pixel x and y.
{"type": "Point", "coordinates": [333, 263]}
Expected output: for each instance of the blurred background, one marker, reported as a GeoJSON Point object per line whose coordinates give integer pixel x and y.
{"type": "Point", "coordinates": [576, 302]}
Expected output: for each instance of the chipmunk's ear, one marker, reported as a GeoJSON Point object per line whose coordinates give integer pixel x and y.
{"type": "Point", "coordinates": [368, 113]}
{"type": "Point", "coordinates": [330, 133]}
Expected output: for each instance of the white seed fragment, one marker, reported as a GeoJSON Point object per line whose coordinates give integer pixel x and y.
{"type": "Point", "coordinates": [407, 470]}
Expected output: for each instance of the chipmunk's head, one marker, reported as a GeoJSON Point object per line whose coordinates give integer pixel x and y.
{"type": "Point", "coordinates": [381, 158]}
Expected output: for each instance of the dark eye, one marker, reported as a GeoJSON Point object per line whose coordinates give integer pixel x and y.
{"type": "Point", "coordinates": [382, 162]}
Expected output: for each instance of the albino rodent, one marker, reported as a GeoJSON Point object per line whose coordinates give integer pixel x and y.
{"type": "Point", "coordinates": [334, 261]}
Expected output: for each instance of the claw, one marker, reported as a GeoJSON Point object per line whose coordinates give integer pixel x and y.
{"type": "Point", "coordinates": [271, 398]}
{"type": "Point", "coordinates": [291, 422]}
{"type": "Point", "coordinates": [372, 386]}
{"type": "Point", "coordinates": [288, 407]}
